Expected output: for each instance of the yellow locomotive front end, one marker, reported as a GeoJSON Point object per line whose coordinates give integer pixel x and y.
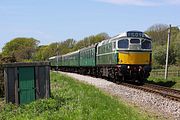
{"type": "Point", "coordinates": [134, 58]}
{"type": "Point", "coordinates": [134, 55]}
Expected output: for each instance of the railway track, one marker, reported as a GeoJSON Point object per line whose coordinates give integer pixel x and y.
{"type": "Point", "coordinates": [160, 90]}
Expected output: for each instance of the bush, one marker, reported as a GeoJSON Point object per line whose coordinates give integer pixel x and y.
{"type": "Point", "coordinates": [157, 66]}
{"type": "Point", "coordinates": [159, 55]}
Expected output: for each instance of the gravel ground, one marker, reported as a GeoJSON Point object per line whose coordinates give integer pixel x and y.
{"type": "Point", "coordinates": [163, 108]}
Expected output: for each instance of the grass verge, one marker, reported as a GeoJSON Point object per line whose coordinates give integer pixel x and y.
{"type": "Point", "coordinates": [72, 100]}
{"type": "Point", "coordinates": [172, 82]}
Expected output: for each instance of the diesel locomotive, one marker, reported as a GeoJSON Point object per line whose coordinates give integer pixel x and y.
{"type": "Point", "coordinates": [125, 57]}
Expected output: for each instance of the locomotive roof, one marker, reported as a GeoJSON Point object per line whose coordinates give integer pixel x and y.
{"type": "Point", "coordinates": [92, 46]}
{"type": "Point", "coordinates": [52, 57]}
{"type": "Point", "coordinates": [121, 35]}
{"type": "Point", "coordinates": [125, 34]}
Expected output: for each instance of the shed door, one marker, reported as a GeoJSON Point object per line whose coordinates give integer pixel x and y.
{"type": "Point", "coordinates": [26, 84]}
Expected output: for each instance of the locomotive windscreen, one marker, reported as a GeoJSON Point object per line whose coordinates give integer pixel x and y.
{"type": "Point", "coordinates": [146, 44]}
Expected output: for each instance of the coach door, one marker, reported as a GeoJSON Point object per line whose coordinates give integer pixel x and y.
{"type": "Point", "coordinates": [26, 84]}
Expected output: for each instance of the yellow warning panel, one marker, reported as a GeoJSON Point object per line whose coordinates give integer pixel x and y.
{"type": "Point", "coordinates": [134, 58]}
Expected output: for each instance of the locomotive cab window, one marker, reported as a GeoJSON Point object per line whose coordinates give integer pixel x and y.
{"type": "Point", "coordinates": [146, 44]}
{"type": "Point", "coordinates": [134, 41]}
{"type": "Point", "coordinates": [124, 43]}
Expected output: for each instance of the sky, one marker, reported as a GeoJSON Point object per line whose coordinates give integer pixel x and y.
{"type": "Point", "coordinates": [57, 20]}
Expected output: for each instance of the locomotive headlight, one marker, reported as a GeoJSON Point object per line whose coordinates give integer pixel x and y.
{"type": "Point", "coordinates": [128, 67]}
{"type": "Point", "coordinates": [140, 68]}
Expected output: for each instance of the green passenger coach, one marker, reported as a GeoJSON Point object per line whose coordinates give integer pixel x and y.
{"type": "Point", "coordinates": [71, 59]}
{"type": "Point", "coordinates": [88, 60]}
{"type": "Point", "coordinates": [88, 56]}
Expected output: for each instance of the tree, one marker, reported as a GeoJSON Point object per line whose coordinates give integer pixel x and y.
{"type": "Point", "coordinates": [66, 46]}
{"type": "Point", "coordinates": [158, 33]}
{"type": "Point", "coordinates": [21, 48]}
{"type": "Point", "coordinates": [93, 39]}
{"type": "Point", "coordinates": [175, 36]}
{"type": "Point", "coordinates": [69, 45]}
{"type": "Point", "coordinates": [176, 46]}
{"type": "Point", "coordinates": [40, 53]}
{"type": "Point", "coordinates": [45, 52]}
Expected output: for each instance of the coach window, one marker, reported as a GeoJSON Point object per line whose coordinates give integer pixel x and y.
{"type": "Point", "coordinates": [146, 44]}
{"type": "Point", "coordinates": [98, 50]}
{"type": "Point", "coordinates": [89, 55]}
{"type": "Point", "coordinates": [109, 48]}
{"type": "Point", "coordinates": [114, 45]}
{"type": "Point", "coordinates": [124, 43]}
{"type": "Point", "coordinates": [104, 49]}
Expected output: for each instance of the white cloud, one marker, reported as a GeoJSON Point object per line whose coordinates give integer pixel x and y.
{"type": "Point", "coordinates": [143, 2]}
{"type": "Point", "coordinates": [131, 2]}
{"type": "Point", "coordinates": [175, 2]}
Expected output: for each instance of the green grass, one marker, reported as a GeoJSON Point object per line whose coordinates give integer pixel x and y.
{"type": "Point", "coordinates": [172, 82]}
{"type": "Point", "coordinates": [72, 100]}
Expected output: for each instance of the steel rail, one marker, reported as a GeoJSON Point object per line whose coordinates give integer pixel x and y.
{"type": "Point", "coordinates": [163, 91]}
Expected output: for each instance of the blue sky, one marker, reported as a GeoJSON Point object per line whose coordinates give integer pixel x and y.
{"type": "Point", "coordinates": [57, 20]}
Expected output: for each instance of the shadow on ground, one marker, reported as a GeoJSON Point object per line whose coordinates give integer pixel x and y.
{"type": "Point", "coordinates": [163, 83]}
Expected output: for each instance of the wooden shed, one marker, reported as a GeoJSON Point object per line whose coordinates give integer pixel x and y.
{"type": "Point", "coordinates": [26, 82]}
